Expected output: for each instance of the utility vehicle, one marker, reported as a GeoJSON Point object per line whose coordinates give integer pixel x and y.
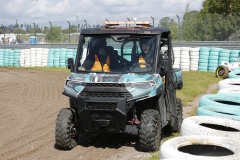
{"type": "Point", "coordinates": [133, 95]}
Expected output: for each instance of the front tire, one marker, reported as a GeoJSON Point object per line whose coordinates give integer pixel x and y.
{"type": "Point", "coordinates": [65, 135]}
{"type": "Point", "coordinates": [150, 130]}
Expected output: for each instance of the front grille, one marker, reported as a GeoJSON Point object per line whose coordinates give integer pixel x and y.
{"type": "Point", "coordinates": [105, 85]}
{"type": "Point", "coordinates": [106, 94]}
{"type": "Point", "coordinates": [101, 106]}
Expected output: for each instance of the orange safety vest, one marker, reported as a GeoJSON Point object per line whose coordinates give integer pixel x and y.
{"type": "Point", "coordinates": [98, 67]}
{"type": "Point", "coordinates": [142, 60]}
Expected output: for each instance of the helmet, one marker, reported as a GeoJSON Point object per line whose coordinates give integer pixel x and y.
{"type": "Point", "coordinates": [97, 41]}
{"type": "Point", "coordinates": [145, 41]}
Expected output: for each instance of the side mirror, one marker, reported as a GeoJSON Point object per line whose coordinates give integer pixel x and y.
{"type": "Point", "coordinates": [70, 64]}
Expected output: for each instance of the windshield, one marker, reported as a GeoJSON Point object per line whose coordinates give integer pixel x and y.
{"type": "Point", "coordinates": [117, 53]}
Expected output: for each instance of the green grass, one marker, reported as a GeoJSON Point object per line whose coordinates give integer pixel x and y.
{"type": "Point", "coordinates": [194, 84]}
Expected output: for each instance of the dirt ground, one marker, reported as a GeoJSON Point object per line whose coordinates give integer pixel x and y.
{"type": "Point", "coordinates": [29, 103]}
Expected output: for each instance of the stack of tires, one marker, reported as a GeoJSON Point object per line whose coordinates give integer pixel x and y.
{"type": "Point", "coordinates": [69, 54]}
{"type": "Point", "coordinates": [27, 57]}
{"type": "Point", "coordinates": [33, 57]}
{"type": "Point", "coordinates": [203, 59]}
{"type": "Point", "coordinates": [185, 59]}
{"type": "Point", "coordinates": [213, 59]}
{"type": "Point", "coordinates": [5, 57]}
{"type": "Point", "coordinates": [1, 58]}
{"type": "Point", "coordinates": [16, 55]}
{"type": "Point", "coordinates": [234, 54]}
{"type": "Point", "coordinates": [10, 57]}
{"type": "Point", "coordinates": [56, 57]}
{"type": "Point", "coordinates": [204, 137]}
{"type": "Point", "coordinates": [62, 58]}
{"type": "Point", "coordinates": [38, 57]}
{"type": "Point", "coordinates": [177, 55]}
{"type": "Point", "coordinates": [194, 57]}
{"type": "Point", "coordinates": [45, 57]}
{"type": "Point", "coordinates": [21, 58]}
{"type": "Point", "coordinates": [224, 55]}
{"type": "Point", "coordinates": [50, 57]}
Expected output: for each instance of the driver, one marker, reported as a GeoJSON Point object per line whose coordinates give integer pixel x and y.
{"type": "Point", "coordinates": [146, 55]}
{"type": "Point", "coordinates": [100, 57]}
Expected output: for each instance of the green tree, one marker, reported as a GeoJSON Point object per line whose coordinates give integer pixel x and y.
{"type": "Point", "coordinates": [19, 31]}
{"type": "Point", "coordinates": [168, 22]}
{"type": "Point", "coordinates": [54, 35]}
{"type": "Point", "coordinates": [193, 26]}
{"type": "Point", "coordinates": [226, 7]}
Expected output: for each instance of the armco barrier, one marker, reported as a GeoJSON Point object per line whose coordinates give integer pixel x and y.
{"type": "Point", "coordinates": [201, 59]}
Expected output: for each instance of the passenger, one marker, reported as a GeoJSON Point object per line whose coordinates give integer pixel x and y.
{"type": "Point", "coordinates": [146, 56]}
{"type": "Point", "coordinates": [100, 57]}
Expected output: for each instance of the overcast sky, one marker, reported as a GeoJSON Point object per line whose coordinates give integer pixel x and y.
{"type": "Point", "coordinates": [94, 11]}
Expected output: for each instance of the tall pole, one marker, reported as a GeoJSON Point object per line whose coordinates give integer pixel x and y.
{"type": "Point", "coordinates": [153, 20]}
{"type": "Point", "coordinates": [85, 22]}
{"type": "Point", "coordinates": [4, 31]}
{"type": "Point", "coordinates": [77, 24]}
{"type": "Point", "coordinates": [50, 31]}
{"type": "Point", "coordinates": [178, 28]}
{"type": "Point", "coordinates": [69, 31]}
{"type": "Point", "coordinates": [35, 32]}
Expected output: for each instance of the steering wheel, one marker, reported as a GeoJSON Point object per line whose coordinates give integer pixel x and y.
{"type": "Point", "coordinates": [138, 64]}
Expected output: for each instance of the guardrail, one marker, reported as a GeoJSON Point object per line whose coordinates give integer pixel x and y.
{"type": "Point", "coordinates": [219, 44]}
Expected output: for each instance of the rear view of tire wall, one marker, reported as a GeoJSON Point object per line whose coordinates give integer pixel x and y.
{"type": "Point", "coordinates": [234, 54]}
{"type": "Point", "coordinates": [213, 59]}
{"type": "Point", "coordinates": [224, 55]}
{"type": "Point", "coordinates": [203, 59]}
{"type": "Point", "coordinates": [194, 59]}
{"type": "Point", "coordinates": [177, 54]}
{"type": "Point", "coordinates": [185, 59]}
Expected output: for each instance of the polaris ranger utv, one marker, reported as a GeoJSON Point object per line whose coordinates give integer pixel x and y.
{"type": "Point", "coordinates": [127, 91]}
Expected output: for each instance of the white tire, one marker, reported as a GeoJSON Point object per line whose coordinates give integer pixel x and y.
{"type": "Point", "coordinates": [229, 90]}
{"type": "Point", "coordinates": [195, 148]}
{"type": "Point", "coordinates": [229, 83]}
{"type": "Point", "coordinates": [184, 60]}
{"type": "Point", "coordinates": [211, 126]}
{"type": "Point", "coordinates": [185, 49]}
{"type": "Point", "coordinates": [197, 49]}
{"type": "Point", "coordinates": [194, 53]}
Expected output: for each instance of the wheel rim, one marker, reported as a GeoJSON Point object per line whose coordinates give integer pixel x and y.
{"type": "Point", "coordinates": [220, 72]}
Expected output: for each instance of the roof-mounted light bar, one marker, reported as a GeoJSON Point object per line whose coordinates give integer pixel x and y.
{"type": "Point", "coordinates": [143, 23]}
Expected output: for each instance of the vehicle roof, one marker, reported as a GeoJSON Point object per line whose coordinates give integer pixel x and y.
{"type": "Point", "coordinates": [125, 30]}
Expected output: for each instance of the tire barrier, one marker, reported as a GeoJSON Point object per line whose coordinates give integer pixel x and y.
{"type": "Point", "coordinates": [213, 59]}
{"type": "Point", "coordinates": [202, 59]}
{"type": "Point", "coordinates": [194, 59]}
{"type": "Point", "coordinates": [36, 57]}
{"type": "Point", "coordinates": [221, 100]}
{"type": "Point", "coordinates": [211, 126]}
{"type": "Point", "coordinates": [200, 147]}
{"type": "Point", "coordinates": [235, 73]}
{"type": "Point", "coordinates": [185, 59]}
{"type": "Point", "coordinates": [234, 54]}
{"type": "Point", "coordinates": [233, 83]}
{"type": "Point", "coordinates": [229, 90]}
{"type": "Point", "coordinates": [219, 111]}
{"type": "Point", "coordinates": [177, 55]}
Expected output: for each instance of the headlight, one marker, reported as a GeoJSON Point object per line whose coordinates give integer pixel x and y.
{"type": "Point", "coordinates": [73, 84]}
{"type": "Point", "coordinates": [143, 85]}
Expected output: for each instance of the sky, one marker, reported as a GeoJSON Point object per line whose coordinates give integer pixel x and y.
{"type": "Point", "coordinates": [58, 12]}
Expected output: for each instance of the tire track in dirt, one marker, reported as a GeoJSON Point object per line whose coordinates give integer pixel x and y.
{"type": "Point", "coordinates": [29, 103]}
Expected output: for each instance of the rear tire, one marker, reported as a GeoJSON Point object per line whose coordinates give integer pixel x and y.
{"type": "Point", "coordinates": [150, 130]}
{"type": "Point", "coordinates": [222, 71]}
{"type": "Point", "coordinates": [178, 120]}
{"type": "Point", "coordinates": [64, 130]}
